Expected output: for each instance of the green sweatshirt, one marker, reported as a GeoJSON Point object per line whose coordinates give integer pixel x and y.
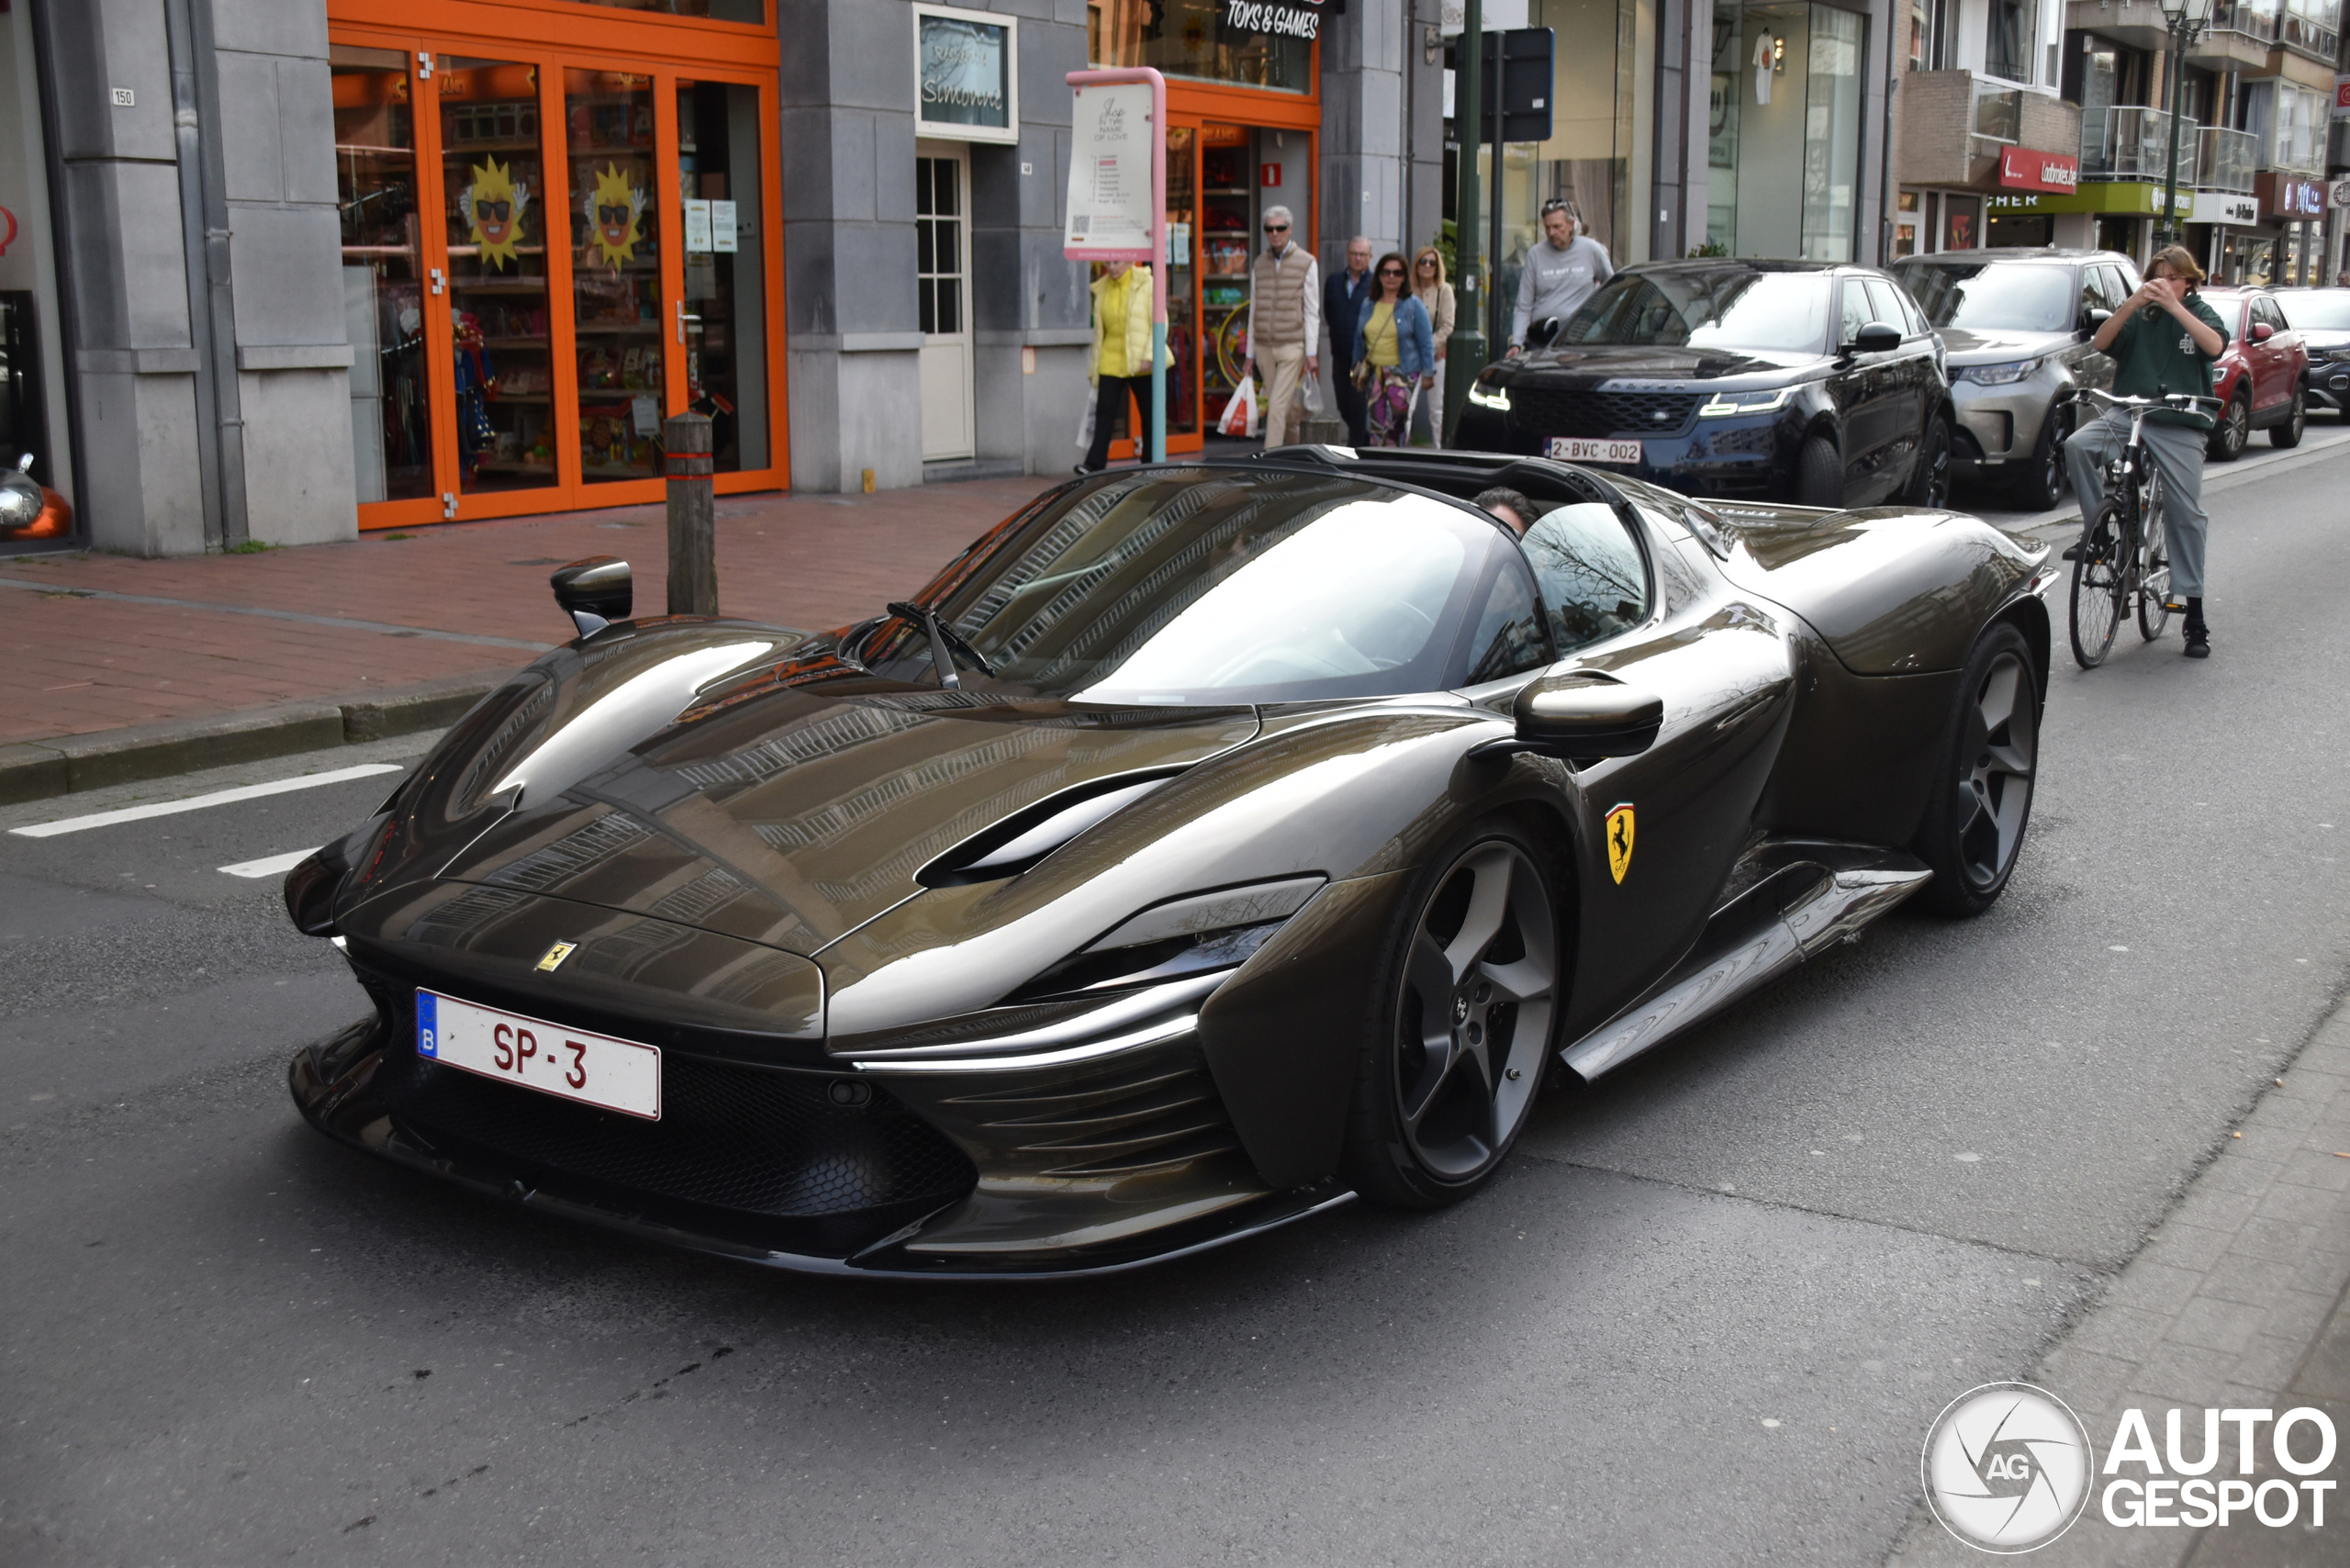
{"type": "Point", "coordinates": [2153, 356]}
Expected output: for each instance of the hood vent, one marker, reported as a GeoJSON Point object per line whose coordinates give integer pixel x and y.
{"type": "Point", "coordinates": [1026, 837]}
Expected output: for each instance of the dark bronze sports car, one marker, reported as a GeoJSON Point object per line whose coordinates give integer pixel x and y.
{"type": "Point", "coordinates": [1204, 845]}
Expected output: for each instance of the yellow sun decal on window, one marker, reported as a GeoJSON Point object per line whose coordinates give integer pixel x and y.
{"type": "Point", "coordinates": [613, 208]}
{"type": "Point", "coordinates": [492, 207]}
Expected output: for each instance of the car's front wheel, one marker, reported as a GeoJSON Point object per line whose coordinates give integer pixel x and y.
{"type": "Point", "coordinates": [2228, 441]}
{"type": "Point", "coordinates": [1819, 474]}
{"type": "Point", "coordinates": [1468, 995]}
{"type": "Point", "coordinates": [2042, 485]}
{"type": "Point", "coordinates": [1983, 777]}
{"type": "Point", "coordinates": [2297, 420]}
{"type": "Point", "coordinates": [1929, 485]}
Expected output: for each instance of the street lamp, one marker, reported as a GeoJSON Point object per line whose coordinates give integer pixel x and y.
{"type": "Point", "coordinates": [2185, 19]}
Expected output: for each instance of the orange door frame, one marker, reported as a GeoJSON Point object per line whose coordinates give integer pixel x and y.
{"type": "Point", "coordinates": [552, 34]}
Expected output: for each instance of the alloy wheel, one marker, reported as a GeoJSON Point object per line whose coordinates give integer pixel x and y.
{"type": "Point", "coordinates": [1475, 1016]}
{"type": "Point", "coordinates": [1996, 752]}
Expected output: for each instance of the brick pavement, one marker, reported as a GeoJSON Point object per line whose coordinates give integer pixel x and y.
{"type": "Point", "coordinates": [73, 665]}
{"type": "Point", "coordinates": [2240, 1299]}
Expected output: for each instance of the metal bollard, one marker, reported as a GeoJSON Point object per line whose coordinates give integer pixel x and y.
{"type": "Point", "coordinates": [693, 537]}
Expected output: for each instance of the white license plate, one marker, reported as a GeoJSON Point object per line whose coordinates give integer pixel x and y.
{"type": "Point", "coordinates": [1579, 449]}
{"type": "Point", "coordinates": [571, 1064]}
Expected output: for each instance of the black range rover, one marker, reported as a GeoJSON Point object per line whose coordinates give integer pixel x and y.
{"type": "Point", "coordinates": [1800, 381]}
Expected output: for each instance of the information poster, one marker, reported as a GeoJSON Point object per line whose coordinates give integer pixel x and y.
{"type": "Point", "coordinates": [1110, 166]}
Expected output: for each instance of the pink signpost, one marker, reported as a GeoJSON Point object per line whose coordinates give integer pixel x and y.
{"type": "Point", "coordinates": [1105, 223]}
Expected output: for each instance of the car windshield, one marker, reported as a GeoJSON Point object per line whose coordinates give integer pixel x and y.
{"type": "Point", "coordinates": [2325, 310]}
{"type": "Point", "coordinates": [2008, 296]}
{"type": "Point", "coordinates": [1711, 308]}
{"type": "Point", "coordinates": [1206, 586]}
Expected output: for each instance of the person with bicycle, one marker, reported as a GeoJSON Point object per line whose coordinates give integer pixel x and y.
{"type": "Point", "coordinates": [2163, 339]}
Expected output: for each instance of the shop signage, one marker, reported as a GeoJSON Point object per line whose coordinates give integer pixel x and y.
{"type": "Point", "coordinates": [1112, 158]}
{"type": "Point", "coordinates": [2289, 198]}
{"type": "Point", "coordinates": [1281, 18]}
{"type": "Point", "coordinates": [2225, 207]}
{"type": "Point", "coordinates": [968, 73]}
{"type": "Point", "coordinates": [1494, 16]}
{"type": "Point", "coordinates": [2342, 95]}
{"type": "Point", "coordinates": [2021, 168]}
{"type": "Point", "coordinates": [2340, 194]}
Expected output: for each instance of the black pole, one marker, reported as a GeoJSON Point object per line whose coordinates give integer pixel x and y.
{"type": "Point", "coordinates": [1464, 355]}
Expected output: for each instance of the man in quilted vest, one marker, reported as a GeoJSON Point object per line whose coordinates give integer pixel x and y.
{"type": "Point", "coordinates": [1121, 359]}
{"type": "Point", "coordinates": [1284, 324]}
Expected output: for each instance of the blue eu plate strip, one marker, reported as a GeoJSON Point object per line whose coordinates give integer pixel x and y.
{"type": "Point", "coordinates": [427, 1024]}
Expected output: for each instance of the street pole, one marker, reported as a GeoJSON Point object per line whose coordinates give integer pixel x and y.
{"type": "Point", "coordinates": [2168, 233]}
{"type": "Point", "coordinates": [1465, 352]}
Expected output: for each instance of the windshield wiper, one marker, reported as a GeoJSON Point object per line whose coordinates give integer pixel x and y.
{"type": "Point", "coordinates": [943, 640]}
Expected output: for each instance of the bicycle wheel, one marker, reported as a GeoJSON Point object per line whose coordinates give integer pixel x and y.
{"type": "Point", "coordinates": [2098, 588]}
{"type": "Point", "coordinates": [2154, 568]}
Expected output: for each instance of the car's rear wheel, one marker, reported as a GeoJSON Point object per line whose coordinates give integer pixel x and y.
{"type": "Point", "coordinates": [1819, 474]}
{"type": "Point", "coordinates": [1456, 1049]}
{"type": "Point", "coordinates": [2228, 441]}
{"type": "Point", "coordinates": [2042, 485]}
{"type": "Point", "coordinates": [1983, 777]}
{"type": "Point", "coordinates": [1930, 486]}
{"type": "Point", "coordinates": [2297, 420]}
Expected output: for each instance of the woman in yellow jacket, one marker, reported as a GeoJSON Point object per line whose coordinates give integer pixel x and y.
{"type": "Point", "coordinates": [1119, 365]}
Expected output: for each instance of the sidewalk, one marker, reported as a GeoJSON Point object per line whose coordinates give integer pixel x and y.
{"type": "Point", "coordinates": [144, 660]}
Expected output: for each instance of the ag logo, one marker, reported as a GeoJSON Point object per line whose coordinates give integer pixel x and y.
{"type": "Point", "coordinates": [552, 959]}
{"type": "Point", "coordinates": [2007, 1467]}
{"type": "Point", "coordinates": [1619, 841]}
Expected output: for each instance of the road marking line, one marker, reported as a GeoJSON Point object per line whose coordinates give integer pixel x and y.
{"type": "Point", "coordinates": [270, 866]}
{"type": "Point", "coordinates": [196, 802]}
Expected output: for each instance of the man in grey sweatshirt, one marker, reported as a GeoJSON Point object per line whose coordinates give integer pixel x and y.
{"type": "Point", "coordinates": [1562, 272]}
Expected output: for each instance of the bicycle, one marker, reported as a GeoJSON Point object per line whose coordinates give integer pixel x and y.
{"type": "Point", "coordinates": [2123, 557]}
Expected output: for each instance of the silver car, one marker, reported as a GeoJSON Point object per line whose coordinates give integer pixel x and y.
{"type": "Point", "coordinates": [2015, 325]}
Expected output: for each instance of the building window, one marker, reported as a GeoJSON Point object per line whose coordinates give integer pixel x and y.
{"type": "Point", "coordinates": [2010, 30]}
{"type": "Point", "coordinates": [1786, 132]}
{"type": "Point", "coordinates": [1191, 38]}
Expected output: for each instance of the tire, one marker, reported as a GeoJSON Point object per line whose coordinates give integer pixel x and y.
{"type": "Point", "coordinates": [1930, 484]}
{"type": "Point", "coordinates": [2098, 587]}
{"type": "Point", "coordinates": [2297, 420]}
{"type": "Point", "coordinates": [2234, 430]}
{"type": "Point", "coordinates": [2154, 572]}
{"type": "Point", "coordinates": [2043, 485]}
{"type": "Point", "coordinates": [1462, 1027]}
{"type": "Point", "coordinates": [1819, 474]}
{"type": "Point", "coordinates": [1983, 771]}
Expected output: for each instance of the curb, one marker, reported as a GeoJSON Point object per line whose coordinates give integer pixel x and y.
{"type": "Point", "coordinates": [65, 764]}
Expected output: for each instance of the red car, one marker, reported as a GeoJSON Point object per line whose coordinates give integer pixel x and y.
{"type": "Point", "coordinates": [2259, 377]}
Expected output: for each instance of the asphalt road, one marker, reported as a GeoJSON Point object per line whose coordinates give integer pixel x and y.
{"type": "Point", "coordinates": [1706, 1315]}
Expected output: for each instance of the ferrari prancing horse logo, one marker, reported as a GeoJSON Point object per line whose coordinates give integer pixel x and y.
{"type": "Point", "coordinates": [1620, 840]}
{"type": "Point", "coordinates": [552, 958]}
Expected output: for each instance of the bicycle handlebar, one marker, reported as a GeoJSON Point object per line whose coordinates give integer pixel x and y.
{"type": "Point", "coordinates": [2167, 401]}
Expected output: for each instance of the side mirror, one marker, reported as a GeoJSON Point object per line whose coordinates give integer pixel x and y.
{"type": "Point", "coordinates": [2092, 319]}
{"type": "Point", "coordinates": [1582, 719]}
{"type": "Point", "coordinates": [1876, 338]}
{"type": "Point", "coordinates": [1543, 333]}
{"type": "Point", "coordinates": [595, 592]}
{"type": "Point", "coordinates": [2262, 331]}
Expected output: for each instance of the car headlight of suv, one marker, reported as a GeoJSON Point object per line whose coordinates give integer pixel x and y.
{"type": "Point", "coordinates": [1725, 403]}
{"type": "Point", "coordinates": [2000, 374]}
{"type": "Point", "coordinates": [1489, 393]}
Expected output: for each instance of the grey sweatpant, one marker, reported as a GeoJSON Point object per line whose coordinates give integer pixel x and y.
{"type": "Point", "coordinates": [2177, 452]}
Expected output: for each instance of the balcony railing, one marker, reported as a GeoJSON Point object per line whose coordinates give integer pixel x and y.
{"type": "Point", "coordinates": [2225, 159]}
{"type": "Point", "coordinates": [1998, 112]}
{"type": "Point", "coordinates": [2132, 143]}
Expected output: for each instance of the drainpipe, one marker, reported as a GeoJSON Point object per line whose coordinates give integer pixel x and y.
{"type": "Point", "coordinates": [212, 314]}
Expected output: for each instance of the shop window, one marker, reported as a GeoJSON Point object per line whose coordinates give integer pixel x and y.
{"type": "Point", "coordinates": [725, 314]}
{"type": "Point", "coordinates": [1193, 38]}
{"type": "Point", "coordinates": [383, 288]}
{"type": "Point", "coordinates": [493, 182]}
{"type": "Point", "coordinates": [715, 10]}
{"type": "Point", "coordinates": [1788, 131]}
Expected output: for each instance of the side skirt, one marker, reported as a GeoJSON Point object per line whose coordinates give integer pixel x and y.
{"type": "Point", "coordinates": [1806, 898]}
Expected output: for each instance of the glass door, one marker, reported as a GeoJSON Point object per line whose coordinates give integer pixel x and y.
{"type": "Point", "coordinates": [942, 283]}
{"type": "Point", "coordinates": [721, 141]}
{"type": "Point", "coordinates": [1184, 335]}
{"type": "Point", "coordinates": [622, 304]}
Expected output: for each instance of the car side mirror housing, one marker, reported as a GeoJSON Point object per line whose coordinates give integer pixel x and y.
{"type": "Point", "coordinates": [594, 592]}
{"type": "Point", "coordinates": [1582, 719]}
{"type": "Point", "coordinates": [2092, 319]}
{"type": "Point", "coordinates": [1543, 333]}
{"type": "Point", "coordinates": [1876, 338]}
{"type": "Point", "coordinates": [2262, 331]}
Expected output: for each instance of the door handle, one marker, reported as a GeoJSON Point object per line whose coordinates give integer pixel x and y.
{"type": "Point", "coordinates": [424, 65]}
{"type": "Point", "coordinates": [439, 282]}
{"type": "Point", "coordinates": [684, 317]}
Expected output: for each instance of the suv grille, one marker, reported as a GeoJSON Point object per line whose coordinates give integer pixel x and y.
{"type": "Point", "coordinates": [1554, 410]}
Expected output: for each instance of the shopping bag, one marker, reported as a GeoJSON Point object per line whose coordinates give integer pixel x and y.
{"type": "Point", "coordinates": [1309, 392]}
{"type": "Point", "coordinates": [1085, 422]}
{"type": "Point", "coordinates": [1240, 410]}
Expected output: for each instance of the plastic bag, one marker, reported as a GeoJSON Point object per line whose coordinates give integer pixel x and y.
{"type": "Point", "coordinates": [1240, 410]}
{"type": "Point", "coordinates": [1309, 392]}
{"type": "Point", "coordinates": [1085, 422]}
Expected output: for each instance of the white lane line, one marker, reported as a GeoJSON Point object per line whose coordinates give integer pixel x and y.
{"type": "Point", "coordinates": [197, 802]}
{"type": "Point", "coordinates": [269, 866]}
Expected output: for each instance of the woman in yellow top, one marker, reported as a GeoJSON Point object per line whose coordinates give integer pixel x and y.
{"type": "Point", "coordinates": [1119, 365]}
{"type": "Point", "coordinates": [1394, 352]}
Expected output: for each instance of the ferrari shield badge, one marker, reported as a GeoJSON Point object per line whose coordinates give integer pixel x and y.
{"type": "Point", "coordinates": [552, 959]}
{"type": "Point", "coordinates": [1620, 840]}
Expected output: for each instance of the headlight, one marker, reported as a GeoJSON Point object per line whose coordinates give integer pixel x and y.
{"type": "Point", "coordinates": [1489, 394]}
{"type": "Point", "coordinates": [1997, 375]}
{"type": "Point", "coordinates": [1188, 936]}
{"type": "Point", "coordinates": [1723, 403]}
